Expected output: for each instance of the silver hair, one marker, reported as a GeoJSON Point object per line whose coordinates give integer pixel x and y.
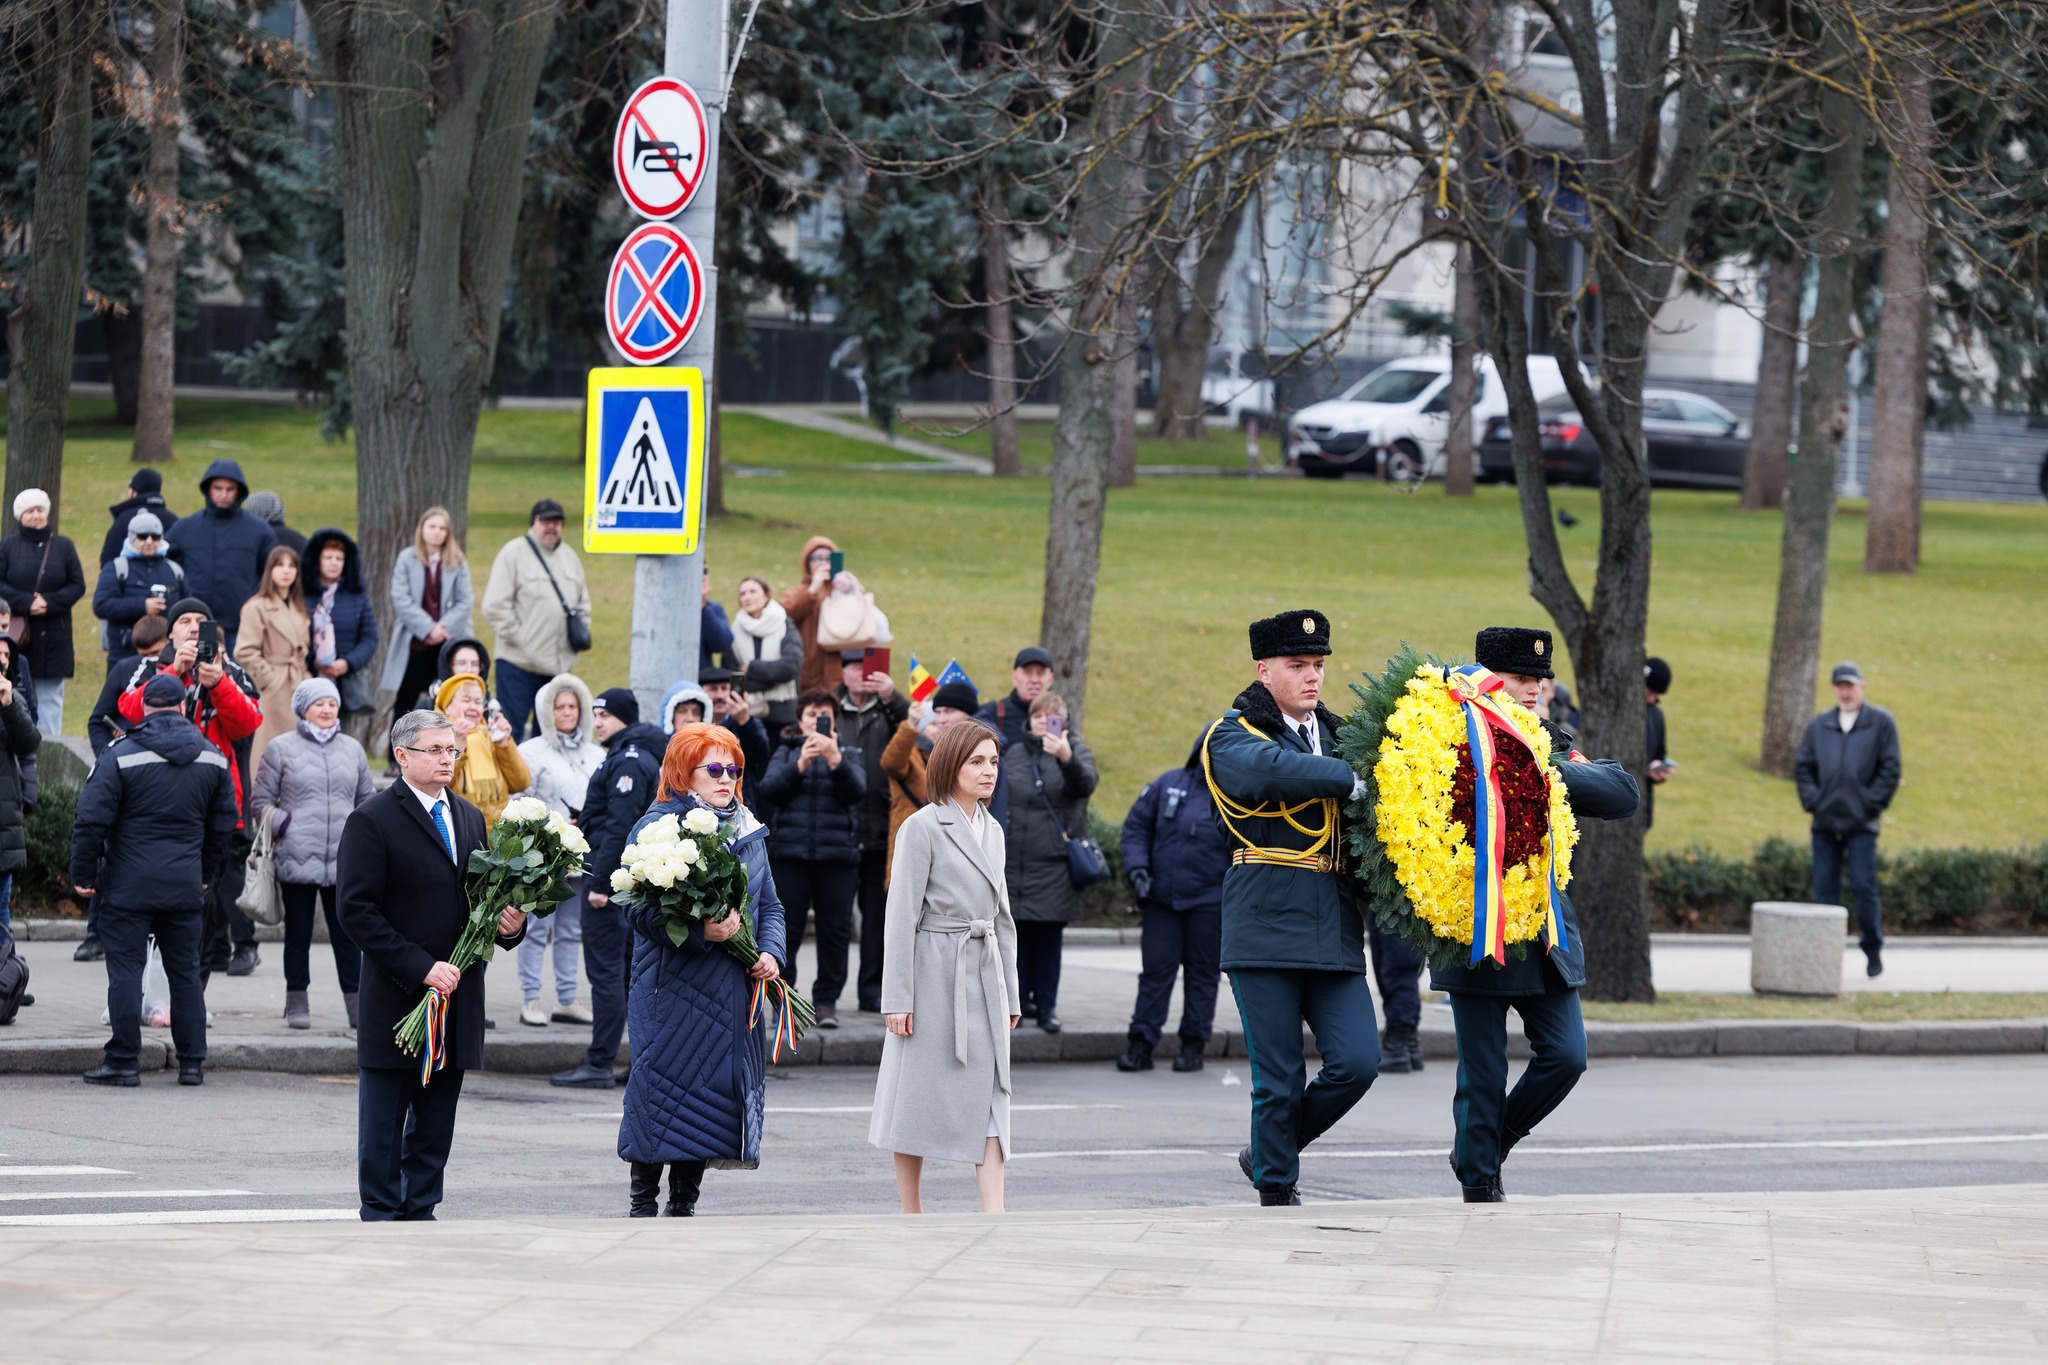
{"type": "Point", "coordinates": [409, 726]}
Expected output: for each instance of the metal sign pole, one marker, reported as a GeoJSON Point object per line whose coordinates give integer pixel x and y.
{"type": "Point", "coordinates": [667, 588]}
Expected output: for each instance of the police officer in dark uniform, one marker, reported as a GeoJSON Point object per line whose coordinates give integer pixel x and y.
{"type": "Point", "coordinates": [1293, 938]}
{"type": "Point", "coordinates": [1543, 987]}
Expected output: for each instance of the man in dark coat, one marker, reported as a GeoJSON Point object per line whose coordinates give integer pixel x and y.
{"type": "Point", "coordinates": [153, 827]}
{"type": "Point", "coordinates": [812, 796]}
{"type": "Point", "coordinates": [1293, 940]}
{"type": "Point", "coordinates": [1657, 764]}
{"type": "Point", "coordinates": [1848, 771]}
{"type": "Point", "coordinates": [1543, 985]}
{"type": "Point", "coordinates": [870, 709]}
{"type": "Point", "coordinates": [621, 789]}
{"type": "Point", "coordinates": [145, 494]}
{"type": "Point", "coordinates": [1175, 859]}
{"type": "Point", "coordinates": [400, 896]}
{"type": "Point", "coordinates": [729, 708]}
{"type": "Point", "coordinates": [222, 547]}
{"type": "Point", "coordinates": [1030, 676]}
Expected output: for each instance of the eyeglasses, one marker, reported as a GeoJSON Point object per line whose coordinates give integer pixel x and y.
{"type": "Point", "coordinates": [147, 535]}
{"type": "Point", "coordinates": [721, 770]}
{"type": "Point", "coordinates": [443, 751]}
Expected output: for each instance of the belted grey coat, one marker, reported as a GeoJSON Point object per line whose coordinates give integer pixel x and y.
{"type": "Point", "coordinates": [950, 962]}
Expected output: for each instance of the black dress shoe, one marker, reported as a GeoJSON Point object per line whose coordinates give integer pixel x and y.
{"type": "Point", "coordinates": [1489, 1193]}
{"type": "Point", "coordinates": [828, 1016]}
{"type": "Point", "coordinates": [584, 1076]}
{"type": "Point", "coordinates": [88, 950]}
{"type": "Point", "coordinates": [245, 960]}
{"type": "Point", "coordinates": [1190, 1058]}
{"type": "Point", "coordinates": [1280, 1197]}
{"type": "Point", "coordinates": [112, 1075]}
{"type": "Point", "coordinates": [1136, 1057]}
{"type": "Point", "coordinates": [190, 1073]}
{"type": "Point", "coordinates": [1049, 1022]}
{"type": "Point", "coordinates": [27, 1000]}
{"type": "Point", "coordinates": [1874, 962]}
{"type": "Point", "coordinates": [1244, 1163]}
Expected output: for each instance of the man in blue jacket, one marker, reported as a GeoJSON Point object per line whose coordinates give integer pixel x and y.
{"type": "Point", "coordinates": [1293, 939]}
{"type": "Point", "coordinates": [621, 789]}
{"type": "Point", "coordinates": [152, 831]}
{"type": "Point", "coordinates": [222, 547]}
{"type": "Point", "coordinates": [1543, 986]}
{"type": "Point", "coordinates": [1175, 859]}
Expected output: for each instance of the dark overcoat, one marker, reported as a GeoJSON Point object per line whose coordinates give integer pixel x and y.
{"type": "Point", "coordinates": [23, 566]}
{"type": "Point", "coordinates": [700, 1057]}
{"type": "Point", "coordinates": [401, 899]}
{"type": "Point", "coordinates": [1276, 916]}
{"type": "Point", "coordinates": [1171, 833]}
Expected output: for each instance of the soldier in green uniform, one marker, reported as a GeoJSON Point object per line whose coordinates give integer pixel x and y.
{"type": "Point", "coordinates": [1543, 987]}
{"type": "Point", "coordinates": [1293, 939]}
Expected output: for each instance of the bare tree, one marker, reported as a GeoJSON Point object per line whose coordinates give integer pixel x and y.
{"type": "Point", "coordinates": [1769, 462]}
{"type": "Point", "coordinates": [1000, 290]}
{"type": "Point", "coordinates": [1184, 312]}
{"type": "Point", "coordinates": [155, 408]}
{"type": "Point", "coordinates": [1462, 391]}
{"type": "Point", "coordinates": [1899, 426]}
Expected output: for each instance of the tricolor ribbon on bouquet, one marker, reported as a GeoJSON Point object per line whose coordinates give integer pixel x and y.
{"type": "Point", "coordinates": [777, 995]}
{"type": "Point", "coordinates": [1475, 689]}
{"type": "Point", "coordinates": [434, 1050]}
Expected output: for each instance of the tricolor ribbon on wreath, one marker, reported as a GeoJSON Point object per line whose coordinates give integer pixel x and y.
{"type": "Point", "coordinates": [1475, 689]}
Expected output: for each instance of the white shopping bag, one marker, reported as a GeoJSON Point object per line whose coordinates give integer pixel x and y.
{"type": "Point", "coordinates": [156, 990]}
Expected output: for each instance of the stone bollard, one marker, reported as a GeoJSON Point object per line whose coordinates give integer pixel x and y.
{"type": "Point", "coordinates": [1796, 949]}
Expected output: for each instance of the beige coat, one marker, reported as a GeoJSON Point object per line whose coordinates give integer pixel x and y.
{"type": "Point", "coordinates": [949, 960]}
{"type": "Point", "coordinates": [533, 631]}
{"type": "Point", "coordinates": [272, 649]}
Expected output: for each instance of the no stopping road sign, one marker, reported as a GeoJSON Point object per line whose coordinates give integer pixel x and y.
{"type": "Point", "coordinates": [654, 294]}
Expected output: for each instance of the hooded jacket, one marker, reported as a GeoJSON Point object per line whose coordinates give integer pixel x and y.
{"type": "Point", "coordinates": [225, 713]}
{"type": "Point", "coordinates": [312, 786]}
{"type": "Point", "coordinates": [1171, 835]}
{"type": "Point", "coordinates": [43, 561]}
{"type": "Point", "coordinates": [355, 620]}
{"type": "Point", "coordinates": [121, 597]}
{"type": "Point", "coordinates": [820, 670]}
{"type": "Point", "coordinates": [446, 670]}
{"type": "Point", "coordinates": [155, 818]}
{"type": "Point", "coordinates": [222, 549]}
{"type": "Point", "coordinates": [675, 696]}
{"type": "Point", "coordinates": [620, 791]}
{"type": "Point", "coordinates": [561, 766]}
{"type": "Point", "coordinates": [124, 512]}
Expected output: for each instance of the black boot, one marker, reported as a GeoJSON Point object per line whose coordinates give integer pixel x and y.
{"type": "Point", "coordinates": [1489, 1193]}
{"type": "Point", "coordinates": [1137, 1057]}
{"type": "Point", "coordinates": [88, 950]}
{"type": "Point", "coordinates": [646, 1189]}
{"type": "Point", "coordinates": [1395, 1051]}
{"type": "Point", "coordinates": [1190, 1058]}
{"type": "Point", "coordinates": [685, 1179]}
{"type": "Point", "coordinates": [1414, 1049]}
{"type": "Point", "coordinates": [1278, 1196]}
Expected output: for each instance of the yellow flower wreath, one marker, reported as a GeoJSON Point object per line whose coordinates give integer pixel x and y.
{"type": "Point", "coordinates": [1431, 852]}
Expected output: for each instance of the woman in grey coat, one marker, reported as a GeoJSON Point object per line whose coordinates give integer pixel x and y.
{"type": "Point", "coordinates": [430, 600]}
{"type": "Point", "coordinates": [306, 785]}
{"type": "Point", "coordinates": [949, 978]}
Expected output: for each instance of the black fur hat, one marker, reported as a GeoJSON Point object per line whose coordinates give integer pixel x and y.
{"type": "Point", "coordinates": [1290, 633]}
{"type": "Point", "coordinates": [1512, 649]}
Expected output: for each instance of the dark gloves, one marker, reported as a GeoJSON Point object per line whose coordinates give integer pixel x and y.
{"type": "Point", "coordinates": [1140, 879]}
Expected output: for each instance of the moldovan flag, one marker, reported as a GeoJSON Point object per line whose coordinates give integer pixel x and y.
{"type": "Point", "coordinates": [922, 683]}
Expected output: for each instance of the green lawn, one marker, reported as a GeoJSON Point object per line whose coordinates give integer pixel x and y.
{"type": "Point", "coordinates": [1223, 450]}
{"type": "Point", "coordinates": [1854, 1007]}
{"type": "Point", "coordinates": [957, 563]}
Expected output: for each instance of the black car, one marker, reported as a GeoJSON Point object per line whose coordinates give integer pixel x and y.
{"type": "Point", "coordinates": [1694, 443]}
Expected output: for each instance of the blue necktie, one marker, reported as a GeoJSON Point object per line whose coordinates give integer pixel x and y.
{"type": "Point", "coordinates": [441, 824]}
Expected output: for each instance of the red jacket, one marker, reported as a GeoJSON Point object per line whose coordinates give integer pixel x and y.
{"type": "Point", "coordinates": [225, 713]}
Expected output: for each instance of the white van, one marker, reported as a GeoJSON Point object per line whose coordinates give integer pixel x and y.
{"type": "Point", "coordinates": [1399, 411]}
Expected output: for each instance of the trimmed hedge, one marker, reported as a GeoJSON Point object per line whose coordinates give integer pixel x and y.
{"type": "Point", "coordinates": [1938, 890]}
{"type": "Point", "coordinates": [47, 879]}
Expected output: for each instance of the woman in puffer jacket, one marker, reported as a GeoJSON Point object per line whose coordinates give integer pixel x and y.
{"type": "Point", "coordinates": [306, 786]}
{"type": "Point", "coordinates": [561, 758]}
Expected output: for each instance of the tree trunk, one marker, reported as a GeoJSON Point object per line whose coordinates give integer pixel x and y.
{"type": "Point", "coordinates": [1769, 463]}
{"type": "Point", "coordinates": [1084, 431]}
{"type": "Point", "coordinates": [122, 330]}
{"type": "Point", "coordinates": [1184, 323]}
{"type": "Point", "coordinates": [1823, 418]}
{"type": "Point", "coordinates": [1899, 426]}
{"type": "Point", "coordinates": [1459, 397]}
{"type": "Point", "coordinates": [155, 420]}
{"type": "Point", "coordinates": [1123, 411]}
{"type": "Point", "coordinates": [714, 454]}
{"type": "Point", "coordinates": [41, 329]}
{"type": "Point", "coordinates": [431, 117]}
{"type": "Point", "coordinates": [1002, 339]}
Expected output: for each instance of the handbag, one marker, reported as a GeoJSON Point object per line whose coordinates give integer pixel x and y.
{"type": "Point", "coordinates": [17, 626]}
{"type": "Point", "coordinates": [1086, 864]}
{"type": "Point", "coordinates": [579, 629]}
{"type": "Point", "coordinates": [848, 620]}
{"type": "Point", "coordinates": [261, 900]}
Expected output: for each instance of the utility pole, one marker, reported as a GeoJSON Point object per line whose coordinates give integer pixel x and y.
{"type": "Point", "coordinates": [667, 589]}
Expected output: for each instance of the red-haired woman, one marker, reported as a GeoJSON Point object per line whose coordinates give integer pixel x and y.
{"type": "Point", "coordinates": [694, 1093]}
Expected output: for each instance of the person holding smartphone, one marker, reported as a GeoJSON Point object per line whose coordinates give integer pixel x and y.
{"type": "Point", "coordinates": [811, 796]}
{"type": "Point", "coordinates": [870, 712]}
{"type": "Point", "coordinates": [801, 601]}
{"type": "Point", "coordinates": [1050, 775]}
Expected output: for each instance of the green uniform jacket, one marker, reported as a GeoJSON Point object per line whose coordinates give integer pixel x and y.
{"type": "Point", "coordinates": [1600, 790]}
{"type": "Point", "coordinates": [1274, 916]}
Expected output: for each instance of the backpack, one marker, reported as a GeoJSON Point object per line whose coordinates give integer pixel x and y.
{"type": "Point", "coordinates": [848, 619]}
{"type": "Point", "coordinates": [13, 981]}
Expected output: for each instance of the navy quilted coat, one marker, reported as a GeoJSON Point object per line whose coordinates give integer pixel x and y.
{"type": "Point", "coordinates": [696, 1086]}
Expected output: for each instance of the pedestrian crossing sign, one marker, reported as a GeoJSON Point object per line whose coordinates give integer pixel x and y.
{"type": "Point", "coordinates": [643, 466]}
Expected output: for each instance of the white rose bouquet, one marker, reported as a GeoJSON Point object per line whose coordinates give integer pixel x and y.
{"type": "Point", "coordinates": [683, 868]}
{"type": "Point", "coordinates": [525, 864]}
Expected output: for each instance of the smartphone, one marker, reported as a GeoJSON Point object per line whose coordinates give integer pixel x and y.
{"type": "Point", "coordinates": [838, 562]}
{"type": "Point", "coordinates": [874, 661]}
{"type": "Point", "coordinates": [494, 708]}
{"type": "Point", "coordinates": [1055, 724]}
{"type": "Point", "coordinates": [825, 725]}
{"type": "Point", "coordinates": [209, 641]}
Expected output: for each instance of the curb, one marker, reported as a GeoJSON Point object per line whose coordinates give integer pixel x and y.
{"type": "Point", "coordinates": [64, 929]}
{"type": "Point", "coordinates": [514, 1056]}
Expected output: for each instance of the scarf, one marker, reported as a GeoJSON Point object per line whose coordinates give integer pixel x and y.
{"type": "Point", "coordinates": [318, 735]}
{"type": "Point", "coordinates": [570, 742]}
{"type": "Point", "coordinates": [479, 778]}
{"type": "Point", "coordinates": [764, 635]}
{"type": "Point", "coordinates": [430, 596]}
{"type": "Point", "coordinates": [323, 625]}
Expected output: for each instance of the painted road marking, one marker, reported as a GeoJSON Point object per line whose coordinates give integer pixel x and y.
{"type": "Point", "coordinates": [156, 1216]}
{"type": "Point", "coordinates": [1614, 1149]}
{"type": "Point", "coordinates": [122, 1194]}
{"type": "Point", "coordinates": [61, 1170]}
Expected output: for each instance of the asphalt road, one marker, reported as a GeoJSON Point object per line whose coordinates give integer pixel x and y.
{"type": "Point", "coordinates": [257, 1146]}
